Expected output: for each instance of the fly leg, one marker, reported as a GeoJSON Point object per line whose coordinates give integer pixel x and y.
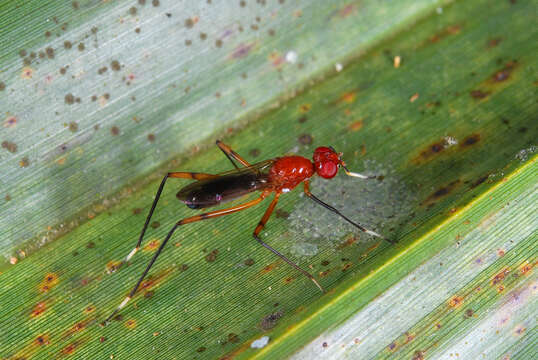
{"type": "Point", "coordinates": [329, 207]}
{"type": "Point", "coordinates": [204, 216]}
{"type": "Point", "coordinates": [181, 175]}
{"type": "Point", "coordinates": [259, 228]}
{"type": "Point", "coordinates": [231, 155]}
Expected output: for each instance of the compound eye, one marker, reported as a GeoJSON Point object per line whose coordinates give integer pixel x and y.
{"type": "Point", "coordinates": [327, 169]}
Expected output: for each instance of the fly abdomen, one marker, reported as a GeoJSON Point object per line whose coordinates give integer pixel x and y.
{"type": "Point", "coordinates": [212, 192]}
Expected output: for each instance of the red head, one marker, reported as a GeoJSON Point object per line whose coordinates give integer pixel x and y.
{"type": "Point", "coordinates": [327, 161]}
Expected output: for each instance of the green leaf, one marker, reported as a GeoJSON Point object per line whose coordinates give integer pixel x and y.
{"type": "Point", "coordinates": [450, 134]}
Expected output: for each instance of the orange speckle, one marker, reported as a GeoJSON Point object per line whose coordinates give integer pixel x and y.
{"type": "Point", "coordinates": [130, 324]}
{"type": "Point", "coordinates": [397, 61]}
{"type": "Point", "coordinates": [89, 309]}
{"type": "Point", "coordinates": [61, 160]}
{"type": "Point", "coordinates": [112, 266]}
{"type": "Point", "coordinates": [38, 309]}
{"type": "Point", "coordinates": [525, 269]}
{"type": "Point", "coordinates": [500, 288]}
{"type": "Point", "coordinates": [455, 301]}
{"type": "Point", "coordinates": [500, 252]}
{"type": "Point", "coordinates": [348, 97]}
{"type": "Point", "coordinates": [356, 126]}
{"type": "Point", "coordinates": [27, 72]}
{"type": "Point", "coordinates": [152, 245]}
{"type": "Point", "coordinates": [276, 60]}
{"type": "Point", "coordinates": [48, 282]}
{"type": "Point", "coordinates": [305, 108]}
{"type": "Point", "coordinates": [413, 98]}
{"type": "Point", "coordinates": [69, 349]}
{"type": "Point", "coordinates": [268, 268]}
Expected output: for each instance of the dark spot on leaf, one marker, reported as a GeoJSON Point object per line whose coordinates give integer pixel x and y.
{"type": "Point", "coordinates": [155, 224]}
{"type": "Point", "coordinates": [42, 340]}
{"type": "Point", "coordinates": [94, 98]}
{"type": "Point", "coordinates": [102, 339]}
{"type": "Point", "coordinates": [189, 23]}
{"type": "Point", "coordinates": [90, 245]}
{"type": "Point", "coordinates": [132, 10]}
{"type": "Point", "coordinates": [114, 130]}
{"type": "Point", "coordinates": [218, 43]}
{"type": "Point", "coordinates": [183, 267]}
{"type": "Point", "coordinates": [282, 214]}
{"type": "Point", "coordinates": [441, 192]}
{"type": "Point", "coordinates": [9, 146]}
{"type": "Point", "coordinates": [118, 317]}
{"type": "Point", "coordinates": [142, 2]}
{"type": "Point", "coordinates": [94, 29]}
{"type": "Point", "coordinates": [479, 181]}
{"type": "Point", "coordinates": [305, 139]}
{"type": "Point", "coordinates": [115, 65]}
{"type": "Point", "coordinates": [203, 36]}
{"type": "Point", "coordinates": [106, 96]}
{"type": "Point", "coordinates": [494, 42]}
{"type": "Point", "coordinates": [81, 47]}
{"type": "Point", "coordinates": [155, 3]}
{"type": "Point", "coordinates": [63, 70]}
{"type": "Point", "coordinates": [75, 5]}
{"type": "Point", "coordinates": [149, 294]}
{"type": "Point", "coordinates": [469, 313]}
{"type": "Point", "coordinates": [24, 162]}
{"type": "Point", "coordinates": [137, 30]}
{"type": "Point", "coordinates": [73, 126]}
{"type": "Point", "coordinates": [201, 349]}
{"type": "Point", "coordinates": [249, 262]}
{"type": "Point", "coordinates": [169, 15]}
{"type": "Point", "coordinates": [418, 355]}
{"type": "Point", "coordinates": [470, 140]}
{"type": "Point", "coordinates": [22, 53]}
{"type": "Point", "coordinates": [254, 152]}
{"type": "Point", "coordinates": [324, 344]}
{"type": "Point", "coordinates": [380, 178]}
{"type": "Point", "coordinates": [233, 338]}
{"type": "Point", "coordinates": [325, 262]}
{"type": "Point", "coordinates": [50, 52]}
{"type": "Point", "coordinates": [102, 70]}
{"type": "Point", "coordinates": [137, 211]}
{"type": "Point", "coordinates": [270, 321]}
{"type": "Point", "coordinates": [479, 94]}
{"type": "Point", "coordinates": [69, 99]}
{"type": "Point", "coordinates": [522, 130]}
{"type": "Point", "coordinates": [67, 44]}
{"type": "Point", "coordinates": [302, 119]}
{"type": "Point", "coordinates": [151, 137]}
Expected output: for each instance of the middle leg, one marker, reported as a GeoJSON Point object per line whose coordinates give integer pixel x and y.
{"type": "Point", "coordinates": [259, 228]}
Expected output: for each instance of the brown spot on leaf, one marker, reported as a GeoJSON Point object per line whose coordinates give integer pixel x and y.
{"type": "Point", "coordinates": [269, 321]}
{"type": "Point", "coordinates": [73, 126]}
{"type": "Point", "coordinates": [114, 130]}
{"type": "Point", "coordinates": [504, 73]}
{"type": "Point", "coordinates": [499, 277]}
{"type": "Point", "coordinates": [241, 51]}
{"type": "Point", "coordinates": [494, 42]}
{"type": "Point", "coordinates": [9, 146]}
{"type": "Point", "coordinates": [305, 139]}
{"type": "Point", "coordinates": [201, 349]}
{"type": "Point", "coordinates": [479, 181]}
{"type": "Point", "coordinates": [69, 99]}
{"type": "Point", "coordinates": [50, 281]}
{"type": "Point", "coordinates": [233, 338]}
{"type": "Point", "coordinates": [212, 256]}
{"type": "Point", "coordinates": [249, 262]}
{"type": "Point", "coordinates": [441, 192]}
{"type": "Point", "coordinates": [479, 94]}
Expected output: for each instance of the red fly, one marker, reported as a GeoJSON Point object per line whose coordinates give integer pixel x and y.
{"type": "Point", "coordinates": [278, 175]}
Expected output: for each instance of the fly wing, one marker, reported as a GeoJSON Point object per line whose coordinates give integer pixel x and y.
{"type": "Point", "coordinates": [226, 186]}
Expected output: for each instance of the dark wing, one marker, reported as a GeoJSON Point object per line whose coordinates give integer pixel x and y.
{"type": "Point", "coordinates": [226, 186]}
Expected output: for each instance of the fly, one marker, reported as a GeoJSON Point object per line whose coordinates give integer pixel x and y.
{"type": "Point", "coordinates": [278, 176]}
